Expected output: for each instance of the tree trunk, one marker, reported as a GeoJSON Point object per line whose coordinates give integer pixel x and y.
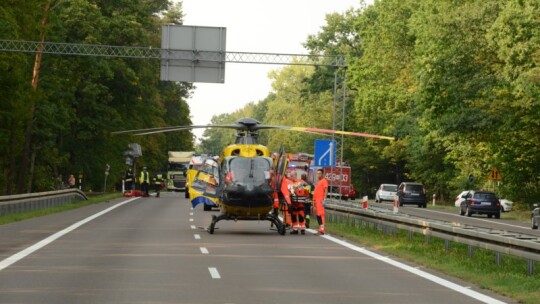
{"type": "Point", "coordinates": [32, 166]}
{"type": "Point", "coordinates": [35, 77]}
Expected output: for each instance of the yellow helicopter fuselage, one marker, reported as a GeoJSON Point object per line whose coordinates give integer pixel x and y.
{"type": "Point", "coordinates": [245, 150]}
{"type": "Point", "coordinates": [242, 201]}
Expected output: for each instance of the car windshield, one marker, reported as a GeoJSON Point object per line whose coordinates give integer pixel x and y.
{"type": "Point", "coordinates": [391, 188]}
{"type": "Point", "coordinates": [485, 195]}
{"type": "Point", "coordinates": [414, 188]}
{"type": "Point", "coordinates": [177, 167]}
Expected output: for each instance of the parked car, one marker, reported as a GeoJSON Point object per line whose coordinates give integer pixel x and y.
{"type": "Point", "coordinates": [412, 193]}
{"type": "Point", "coordinates": [386, 192]}
{"type": "Point", "coordinates": [535, 217]}
{"type": "Point", "coordinates": [480, 202]}
{"type": "Point", "coordinates": [460, 198]}
{"type": "Point", "coordinates": [506, 205]}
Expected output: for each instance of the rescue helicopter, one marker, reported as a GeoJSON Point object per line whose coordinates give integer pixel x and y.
{"type": "Point", "coordinates": [243, 179]}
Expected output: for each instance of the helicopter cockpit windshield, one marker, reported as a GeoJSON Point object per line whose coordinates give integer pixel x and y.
{"type": "Point", "coordinates": [252, 171]}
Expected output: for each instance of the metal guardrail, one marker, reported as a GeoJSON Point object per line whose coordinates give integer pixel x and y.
{"type": "Point", "coordinates": [13, 204]}
{"type": "Point", "coordinates": [526, 246]}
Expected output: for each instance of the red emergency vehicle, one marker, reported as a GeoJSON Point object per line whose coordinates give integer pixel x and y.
{"type": "Point", "coordinates": [339, 181]}
{"type": "Point", "coordinates": [299, 162]}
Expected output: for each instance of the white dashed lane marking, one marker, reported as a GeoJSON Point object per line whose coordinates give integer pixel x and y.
{"type": "Point", "coordinates": [197, 236]}
{"type": "Point", "coordinates": [214, 273]}
{"type": "Point", "coordinates": [204, 250]}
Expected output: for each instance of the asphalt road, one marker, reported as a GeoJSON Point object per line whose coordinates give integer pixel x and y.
{"type": "Point", "coordinates": [505, 223]}
{"type": "Point", "coordinates": [153, 250]}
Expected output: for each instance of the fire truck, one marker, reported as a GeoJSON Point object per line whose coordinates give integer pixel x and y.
{"type": "Point", "coordinates": [339, 177]}
{"type": "Point", "coordinates": [339, 181]}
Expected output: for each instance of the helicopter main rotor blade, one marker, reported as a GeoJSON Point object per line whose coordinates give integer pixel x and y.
{"type": "Point", "coordinates": [251, 125]}
{"type": "Point", "coordinates": [177, 128]}
{"type": "Point", "coordinates": [140, 130]}
{"type": "Point", "coordinates": [327, 131]}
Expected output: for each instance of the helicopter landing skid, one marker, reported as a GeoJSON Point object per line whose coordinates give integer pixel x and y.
{"type": "Point", "coordinates": [268, 217]}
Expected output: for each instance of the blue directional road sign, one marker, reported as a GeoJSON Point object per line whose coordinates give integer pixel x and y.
{"type": "Point", "coordinates": [325, 153]}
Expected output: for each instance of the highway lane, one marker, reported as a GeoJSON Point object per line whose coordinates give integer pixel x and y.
{"type": "Point", "coordinates": [151, 250]}
{"type": "Point", "coordinates": [504, 223]}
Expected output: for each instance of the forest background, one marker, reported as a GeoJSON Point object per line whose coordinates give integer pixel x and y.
{"type": "Point", "coordinates": [456, 82]}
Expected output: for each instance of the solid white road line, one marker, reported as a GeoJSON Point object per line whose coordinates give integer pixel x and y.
{"type": "Point", "coordinates": [214, 273]}
{"type": "Point", "coordinates": [204, 250]}
{"type": "Point", "coordinates": [197, 236]}
{"type": "Point", "coordinates": [22, 254]}
{"type": "Point", "coordinates": [461, 289]}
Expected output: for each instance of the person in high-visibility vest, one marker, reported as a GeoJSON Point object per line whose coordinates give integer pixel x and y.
{"type": "Point", "coordinates": [307, 205]}
{"type": "Point", "coordinates": [158, 183]}
{"type": "Point", "coordinates": [319, 197]}
{"type": "Point", "coordinates": [145, 181]}
{"type": "Point", "coordinates": [297, 207]}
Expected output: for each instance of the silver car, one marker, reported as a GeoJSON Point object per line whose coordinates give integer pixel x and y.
{"type": "Point", "coordinates": [386, 192]}
{"type": "Point", "coordinates": [535, 217]}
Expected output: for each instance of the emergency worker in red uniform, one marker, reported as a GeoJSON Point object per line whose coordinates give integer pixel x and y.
{"type": "Point", "coordinates": [301, 194]}
{"type": "Point", "coordinates": [319, 197]}
{"type": "Point", "coordinates": [285, 198]}
{"type": "Point", "coordinates": [275, 195]}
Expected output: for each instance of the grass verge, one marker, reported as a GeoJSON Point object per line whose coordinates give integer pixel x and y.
{"type": "Point", "coordinates": [5, 219]}
{"type": "Point", "coordinates": [509, 278]}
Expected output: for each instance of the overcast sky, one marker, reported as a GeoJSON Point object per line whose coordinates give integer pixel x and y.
{"type": "Point", "coordinates": [257, 26]}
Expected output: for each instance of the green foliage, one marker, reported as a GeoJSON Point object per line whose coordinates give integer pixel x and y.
{"type": "Point", "coordinates": [457, 82]}
{"type": "Point", "coordinates": [515, 39]}
{"type": "Point", "coordinates": [81, 100]}
{"type": "Point", "coordinates": [292, 105]}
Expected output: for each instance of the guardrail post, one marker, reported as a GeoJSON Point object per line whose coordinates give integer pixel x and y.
{"type": "Point", "coordinates": [471, 251]}
{"type": "Point", "coordinates": [446, 245]}
{"type": "Point", "coordinates": [498, 258]}
{"type": "Point", "coordinates": [531, 267]}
